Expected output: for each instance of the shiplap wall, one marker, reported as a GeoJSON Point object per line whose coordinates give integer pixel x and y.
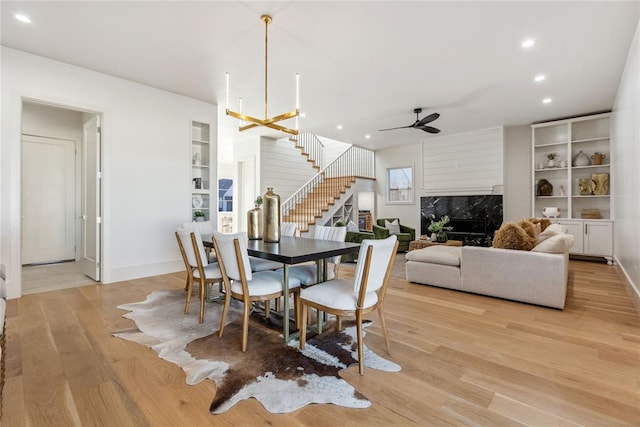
{"type": "Point", "coordinates": [283, 167]}
{"type": "Point", "coordinates": [463, 164]}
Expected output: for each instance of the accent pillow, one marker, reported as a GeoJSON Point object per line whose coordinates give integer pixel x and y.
{"type": "Point", "coordinates": [512, 236]}
{"type": "Point", "coordinates": [351, 226]}
{"type": "Point", "coordinates": [551, 230]}
{"type": "Point", "coordinates": [558, 244]}
{"type": "Point", "coordinates": [393, 227]}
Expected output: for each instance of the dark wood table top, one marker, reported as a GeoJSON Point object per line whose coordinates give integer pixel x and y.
{"type": "Point", "coordinates": [295, 250]}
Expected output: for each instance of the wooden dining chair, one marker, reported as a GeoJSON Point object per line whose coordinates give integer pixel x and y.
{"type": "Point", "coordinates": [354, 298]}
{"type": "Point", "coordinates": [243, 284]}
{"type": "Point", "coordinates": [198, 268]}
{"type": "Point", "coordinates": [308, 273]}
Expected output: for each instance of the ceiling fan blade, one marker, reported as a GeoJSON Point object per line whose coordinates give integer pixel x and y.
{"type": "Point", "coordinates": [429, 129]}
{"type": "Point", "coordinates": [427, 119]}
{"type": "Point", "coordinates": [401, 127]}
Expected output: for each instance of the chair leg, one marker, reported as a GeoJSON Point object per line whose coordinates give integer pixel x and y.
{"type": "Point", "coordinates": [303, 325]}
{"type": "Point", "coordinates": [267, 309]}
{"type": "Point", "coordinates": [189, 290]}
{"type": "Point", "coordinates": [245, 325]}
{"type": "Point", "coordinates": [296, 308]}
{"type": "Point", "coordinates": [225, 310]}
{"type": "Point", "coordinates": [339, 321]}
{"type": "Point", "coordinates": [359, 336]}
{"type": "Point", "coordinates": [383, 323]}
{"type": "Point", "coordinates": [203, 285]}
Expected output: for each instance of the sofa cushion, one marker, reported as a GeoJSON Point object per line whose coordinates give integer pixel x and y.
{"type": "Point", "coordinates": [551, 230]}
{"type": "Point", "coordinates": [445, 255]}
{"type": "Point", "coordinates": [393, 226]}
{"type": "Point", "coordinates": [558, 244]}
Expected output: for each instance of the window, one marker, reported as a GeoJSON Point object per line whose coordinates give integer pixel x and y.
{"type": "Point", "coordinates": [400, 185]}
{"type": "Point", "coordinates": [225, 195]}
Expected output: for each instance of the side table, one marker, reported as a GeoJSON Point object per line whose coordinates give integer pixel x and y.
{"type": "Point", "coordinates": [419, 244]}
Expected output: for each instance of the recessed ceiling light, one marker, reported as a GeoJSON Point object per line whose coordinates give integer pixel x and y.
{"type": "Point", "coordinates": [303, 115]}
{"type": "Point", "coordinates": [528, 43]}
{"type": "Point", "coordinates": [546, 101]}
{"type": "Point", "coordinates": [339, 127]}
{"type": "Point", "coordinates": [539, 77]}
{"type": "Point", "coordinates": [22, 18]}
{"type": "Point", "coordinates": [367, 136]}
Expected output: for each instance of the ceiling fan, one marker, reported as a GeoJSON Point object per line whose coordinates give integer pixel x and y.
{"type": "Point", "coordinates": [420, 123]}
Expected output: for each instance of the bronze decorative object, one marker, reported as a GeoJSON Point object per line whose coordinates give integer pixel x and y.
{"type": "Point", "coordinates": [271, 216]}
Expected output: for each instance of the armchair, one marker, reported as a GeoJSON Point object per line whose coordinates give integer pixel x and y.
{"type": "Point", "coordinates": [356, 237]}
{"type": "Point", "coordinates": [406, 235]}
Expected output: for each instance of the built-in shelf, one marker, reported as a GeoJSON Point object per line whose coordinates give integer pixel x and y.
{"type": "Point", "coordinates": [200, 169]}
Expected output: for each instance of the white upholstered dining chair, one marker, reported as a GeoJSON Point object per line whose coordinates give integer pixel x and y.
{"type": "Point", "coordinates": [206, 229]}
{"type": "Point", "coordinates": [354, 298]}
{"type": "Point", "coordinates": [308, 273]}
{"type": "Point", "coordinates": [243, 284]}
{"type": "Point", "coordinates": [199, 269]}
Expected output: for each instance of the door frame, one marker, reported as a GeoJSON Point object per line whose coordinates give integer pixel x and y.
{"type": "Point", "coordinates": [16, 211]}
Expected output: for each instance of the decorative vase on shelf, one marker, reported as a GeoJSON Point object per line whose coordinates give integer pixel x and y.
{"type": "Point", "coordinates": [581, 159]}
{"type": "Point", "coordinates": [601, 181]}
{"type": "Point", "coordinates": [586, 186]}
{"type": "Point", "coordinates": [441, 237]}
{"type": "Point", "coordinates": [598, 158]}
{"type": "Point", "coordinates": [544, 188]}
{"type": "Point", "coordinates": [254, 223]}
{"type": "Point", "coordinates": [271, 216]}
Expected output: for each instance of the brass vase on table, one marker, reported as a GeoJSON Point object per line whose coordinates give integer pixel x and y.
{"type": "Point", "coordinates": [254, 223]}
{"type": "Point", "coordinates": [271, 216]}
{"type": "Point", "coordinates": [601, 183]}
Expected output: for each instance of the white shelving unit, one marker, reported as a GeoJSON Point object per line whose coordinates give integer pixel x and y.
{"type": "Point", "coordinates": [344, 213]}
{"type": "Point", "coordinates": [566, 139]}
{"type": "Point", "coordinates": [201, 199]}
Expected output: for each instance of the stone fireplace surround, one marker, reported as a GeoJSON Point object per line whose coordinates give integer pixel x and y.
{"type": "Point", "coordinates": [474, 218]}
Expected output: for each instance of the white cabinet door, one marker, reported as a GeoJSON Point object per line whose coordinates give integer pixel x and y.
{"type": "Point", "coordinates": [598, 238]}
{"type": "Point", "coordinates": [576, 228]}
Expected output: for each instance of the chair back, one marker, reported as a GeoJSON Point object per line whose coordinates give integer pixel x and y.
{"type": "Point", "coordinates": [191, 243]}
{"type": "Point", "coordinates": [336, 234]}
{"type": "Point", "coordinates": [205, 228]}
{"type": "Point", "coordinates": [374, 272]}
{"type": "Point", "coordinates": [288, 229]}
{"type": "Point", "coordinates": [233, 262]}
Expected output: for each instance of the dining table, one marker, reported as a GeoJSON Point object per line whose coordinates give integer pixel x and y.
{"type": "Point", "coordinates": [296, 250]}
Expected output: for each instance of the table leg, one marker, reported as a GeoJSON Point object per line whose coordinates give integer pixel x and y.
{"type": "Point", "coordinates": [285, 302]}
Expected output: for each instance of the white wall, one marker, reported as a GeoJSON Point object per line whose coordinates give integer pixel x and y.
{"type": "Point", "coordinates": [407, 155]}
{"type": "Point", "coordinates": [283, 167]}
{"type": "Point", "coordinates": [146, 161]}
{"type": "Point", "coordinates": [517, 173]}
{"type": "Point", "coordinates": [626, 157]}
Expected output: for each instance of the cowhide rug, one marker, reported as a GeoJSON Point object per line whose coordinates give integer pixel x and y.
{"type": "Point", "coordinates": [278, 375]}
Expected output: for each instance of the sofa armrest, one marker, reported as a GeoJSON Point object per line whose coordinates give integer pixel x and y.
{"type": "Point", "coordinates": [380, 232]}
{"type": "Point", "coordinates": [405, 229]}
{"type": "Point", "coordinates": [533, 277]}
{"type": "Point", "coordinates": [358, 236]}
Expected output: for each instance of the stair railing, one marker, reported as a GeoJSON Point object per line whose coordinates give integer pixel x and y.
{"type": "Point", "coordinates": [320, 190]}
{"type": "Point", "coordinates": [312, 147]}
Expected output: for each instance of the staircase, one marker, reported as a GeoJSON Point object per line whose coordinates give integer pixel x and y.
{"type": "Point", "coordinates": [325, 189]}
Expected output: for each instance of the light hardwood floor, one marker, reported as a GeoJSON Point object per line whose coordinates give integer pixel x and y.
{"type": "Point", "coordinates": [52, 277]}
{"type": "Point", "coordinates": [466, 360]}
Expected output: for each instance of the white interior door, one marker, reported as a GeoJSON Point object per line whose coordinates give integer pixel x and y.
{"type": "Point", "coordinates": [48, 200]}
{"type": "Point", "coordinates": [91, 219]}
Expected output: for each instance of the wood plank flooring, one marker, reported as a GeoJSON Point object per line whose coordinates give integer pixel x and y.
{"type": "Point", "coordinates": [466, 360]}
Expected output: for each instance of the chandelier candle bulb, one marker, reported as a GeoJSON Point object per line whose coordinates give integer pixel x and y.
{"type": "Point", "coordinates": [297, 93]}
{"type": "Point", "coordinates": [227, 101]}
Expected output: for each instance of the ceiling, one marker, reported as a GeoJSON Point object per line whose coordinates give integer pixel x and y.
{"type": "Point", "coordinates": [363, 65]}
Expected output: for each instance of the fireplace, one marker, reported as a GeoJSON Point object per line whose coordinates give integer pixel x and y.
{"type": "Point", "coordinates": [474, 218]}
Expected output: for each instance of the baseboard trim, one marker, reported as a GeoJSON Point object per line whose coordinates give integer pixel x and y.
{"type": "Point", "coordinates": [145, 270]}
{"type": "Point", "coordinates": [630, 287]}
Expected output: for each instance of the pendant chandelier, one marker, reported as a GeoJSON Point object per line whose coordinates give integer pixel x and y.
{"type": "Point", "coordinates": [249, 122]}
